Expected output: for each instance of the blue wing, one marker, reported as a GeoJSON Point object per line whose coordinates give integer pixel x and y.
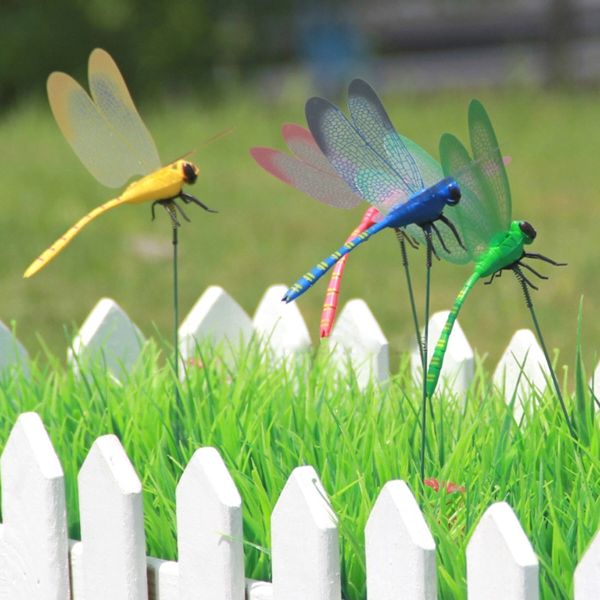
{"type": "Point", "coordinates": [355, 158]}
{"type": "Point", "coordinates": [373, 124]}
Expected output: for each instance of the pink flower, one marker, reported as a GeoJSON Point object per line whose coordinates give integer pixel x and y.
{"type": "Point", "coordinates": [450, 487]}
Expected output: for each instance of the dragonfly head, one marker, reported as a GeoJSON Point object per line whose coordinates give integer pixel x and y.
{"type": "Point", "coordinates": [528, 231]}
{"type": "Point", "coordinates": [452, 193]}
{"type": "Point", "coordinates": [190, 171]}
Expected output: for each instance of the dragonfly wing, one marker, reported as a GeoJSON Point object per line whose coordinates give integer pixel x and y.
{"type": "Point", "coordinates": [486, 152]}
{"type": "Point", "coordinates": [112, 97]}
{"type": "Point", "coordinates": [430, 169]}
{"type": "Point", "coordinates": [374, 184]}
{"type": "Point", "coordinates": [373, 123]}
{"type": "Point", "coordinates": [325, 187]}
{"type": "Point", "coordinates": [349, 153]}
{"type": "Point", "coordinates": [472, 213]}
{"type": "Point", "coordinates": [94, 139]}
{"type": "Point", "coordinates": [301, 143]}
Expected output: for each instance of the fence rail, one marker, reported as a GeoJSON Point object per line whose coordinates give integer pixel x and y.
{"type": "Point", "coordinates": [37, 561]}
{"type": "Point", "coordinates": [110, 337]}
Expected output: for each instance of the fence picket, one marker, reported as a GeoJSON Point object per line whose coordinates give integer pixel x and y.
{"type": "Point", "coordinates": [521, 369]}
{"type": "Point", "coordinates": [358, 339]}
{"type": "Point", "coordinates": [304, 541]}
{"type": "Point", "coordinates": [108, 338]}
{"type": "Point", "coordinates": [218, 318]}
{"type": "Point", "coordinates": [501, 563]}
{"type": "Point", "coordinates": [281, 325]}
{"type": "Point", "coordinates": [33, 539]}
{"type": "Point", "coordinates": [12, 353]}
{"type": "Point", "coordinates": [163, 579]}
{"type": "Point", "coordinates": [112, 524]}
{"type": "Point", "coordinates": [209, 526]}
{"type": "Point", "coordinates": [586, 580]}
{"type": "Point", "coordinates": [400, 549]}
{"type": "Point", "coordinates": [458, 368]}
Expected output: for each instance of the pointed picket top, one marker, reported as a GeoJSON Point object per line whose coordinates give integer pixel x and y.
{"type": "Point", "coordinates": [501, 562]}
{"type": "Point", "coordinates": [586, 580]}
{"type": "Point", "coordinates": [112, 524]}
{"type": "Point", "coordinates": [215, 318]}
{"type": "Point", "coordinates": [459, 363]}
{"type": "Point", "coordinates": [34, 546]}
{"type": "Point", "coordinates": [305, 556]}
{"type": "Point", "coordinates": [13, 355]}
{"type": "Point", "coordinates": [281, 325]}
{"type": "Point", "coordinates": [107, 338]}
{"type": "Point", "coordinates": [358, 338]}
{"type": "Point", "coordinates": [400, 549]}
{"type": "Point", "coordinates": [594, 384]}
{"type": "Point", "coordinates": [163, 579]}
{"type": "Point", "coordinates": [209, 526]}
{"type": "Point", "coordinates": [521, 369]}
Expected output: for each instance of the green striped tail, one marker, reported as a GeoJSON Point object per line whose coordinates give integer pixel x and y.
{"type": "Point", "coordinates": [437, 360]}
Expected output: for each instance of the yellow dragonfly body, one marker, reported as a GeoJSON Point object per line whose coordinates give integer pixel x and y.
{"type": "Point", "coordinates": [109, 137]}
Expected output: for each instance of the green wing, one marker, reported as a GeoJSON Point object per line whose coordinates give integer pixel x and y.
{"type": "Point", "coordinates": [476, 221]}
{"type": "Point", "coordinates": [432, 173]}
{"type": "Point", "coordinates": [486, 152]}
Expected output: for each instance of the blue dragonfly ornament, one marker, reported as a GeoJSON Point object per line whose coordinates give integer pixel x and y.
{"type": "Point", "coordinates": [395, 175]}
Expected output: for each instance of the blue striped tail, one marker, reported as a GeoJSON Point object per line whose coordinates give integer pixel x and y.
{"type": "Point", "coordinates": [311, 277]}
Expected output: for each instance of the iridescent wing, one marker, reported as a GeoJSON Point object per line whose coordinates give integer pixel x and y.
{"type": "Point", "coordinates": [306, 169]}
{"type": "Point", "coordinates": [352, 156]}
{"type": "Point", "coordinates": [372, 122]}
{"type": "Point", "coordinates": [472, 214]}
{"type": "Point", "coordinates": [486, 152]}
{"type": "Point", "coordinates": [105, 130]}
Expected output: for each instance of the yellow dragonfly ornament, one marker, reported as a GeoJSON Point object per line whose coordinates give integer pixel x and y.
{"type": "Point", "coordinates": [110, 138]}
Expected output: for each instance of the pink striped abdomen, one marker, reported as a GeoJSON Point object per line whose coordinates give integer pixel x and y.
{"type": "Point", "coordinates": [333, 289]}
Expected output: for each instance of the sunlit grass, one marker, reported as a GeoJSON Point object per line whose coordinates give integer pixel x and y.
{"type": "Point", "coordinates": [266, 421]}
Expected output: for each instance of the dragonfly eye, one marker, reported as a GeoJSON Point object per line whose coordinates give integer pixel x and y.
{"type": "Point", "coordinates": [528, 229]}
{"type": "Point", "coordinates": [454, 195]}
{"type": "Point", "coordinates": [190, 172]}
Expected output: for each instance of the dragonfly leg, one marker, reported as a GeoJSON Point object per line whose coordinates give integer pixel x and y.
{"type": "Point", "coordinates": [439, 237]}
{"type": "Point", "coordinates": [453, 229]}
{"type": "Point", "coordinates": [402, 235]}
{"type": "Point", "coordinates": [187, 198]}
{"type": "Point", "coordinates": [171, 208]}
{"type": "Point", "coordinates": [522, 264]}
{"type": "Point", "coordinates": [493, 276]}
{"type": "Point", "coordinates": [174, 205]}
{"type": "Point", "coordinates": [544, 258]}
{"type": "Point", "coordinates": [153, 209]}
{"type": "Point", "coordinates": [521, 277]}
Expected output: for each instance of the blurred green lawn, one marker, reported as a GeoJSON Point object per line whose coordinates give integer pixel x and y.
{"type": "Point", "coordinates": [268, 233]}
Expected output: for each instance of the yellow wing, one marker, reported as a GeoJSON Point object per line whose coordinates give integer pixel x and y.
{"type": "Point", "coordinates": [59, 245]}
{"type": "Point", "coordinates": [105, 131]}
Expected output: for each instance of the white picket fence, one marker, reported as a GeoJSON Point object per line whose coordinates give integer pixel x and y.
{"type": "Point", "coordinates": [38, 562]}
{"type": "Point", "coordinates": [110, 337]}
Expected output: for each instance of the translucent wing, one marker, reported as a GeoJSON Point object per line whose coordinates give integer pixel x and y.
{"type": "Point", "coordinates": [429, 168]}
{"type": "Point", "coordinates": [352, 156]}
{"type": "Point", "coordinates": [106, 133]}
{"type": "Point", "coordinates": [301, 143]}
{"type": "Point", "coordinates": [486, 152]}
{"type": "Point", "coordinates": [472, 213]}
{"type": "Point", "coordinates": [373, 123]}
{"type": "Point", "coordinates": [309, 171]}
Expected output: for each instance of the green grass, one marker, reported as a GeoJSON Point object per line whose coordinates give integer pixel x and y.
{"type": "Point", "coordinates": [267, 233]}
{"type": "Point", "coordinates": [267, 421]}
